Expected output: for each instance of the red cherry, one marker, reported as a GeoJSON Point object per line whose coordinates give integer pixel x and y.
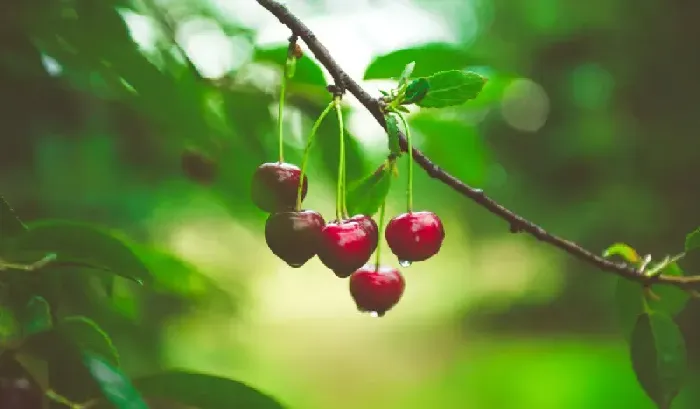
{"type": "Point", "coordinates": [345, 247]}
{"type": "Point", "coordinates": [294, 236]}
{"type": "Point", "coordinates": [17, 388]}
{"type": "Point", "coordinates": [415, 236]}
{"type": "Point", "coordinates": [369, 225]}
{"type": "Point", "coordinates": [275, 186]}
{"type": "Point", "coordinates": [376, 290]}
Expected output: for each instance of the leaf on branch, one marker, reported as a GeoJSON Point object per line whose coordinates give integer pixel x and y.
{"type": "Point", "coordinates": [416, 91]}
{"type": "Point", "coordinates": [630, 299]}
{"type": "Point", "coordinates": [367, 195]}
{"type": "Point", "coordinates": [36, 316]}
{"type": "Point", "coordinates": [114, 384]}
{"type": "Point", "coordinates": [10, 225]}
{"type": "Point", "coordinates": [623, 250]}
{"type": "Point", "coordinates": [692, 240]}
{"type": "Point", "coordinates": [659, 357]}
{"type": "Point", "coordinates": [450, 88]}
{"type": "Point", "coordinates": [406, 74]}
{"type": "Point", "coordinates": [431, 58]}
{"type": "Point", "coordinates": [393, 131]}
{"type": "Point", "coordinates": [83, 245]}
{"type": "Point", "coordinates": [204, 391]}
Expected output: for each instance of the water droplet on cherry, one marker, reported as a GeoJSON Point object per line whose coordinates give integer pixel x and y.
{"type": "Point", "coordinates": [404, 263]}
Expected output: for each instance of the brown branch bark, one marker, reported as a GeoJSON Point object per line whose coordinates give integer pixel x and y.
{"type": "Point", "coordinates": [517, 223]}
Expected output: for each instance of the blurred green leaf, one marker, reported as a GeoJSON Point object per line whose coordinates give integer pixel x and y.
{"type": "Point", "coordinates": [450, 88]}
{"type": "Point", "coordinates": [10, 224]}
{"type": "Point", "coordinates": [659, 357]}
{"type": "Point", "coordinates": [306, 72]}
{"type": "Point", "coordinates": [629, 296]}
{"type": "Point", "coordinates": [692, 240]}
{"type": "Point", "coordinates": [36, 316]}
{"type": "Point", "coordinates": [82, 243]}
{"type": "Point", "coordinates": [115, 385]}
{"type": "Point", "coordinates": [392, 130]}
{"type": "Point", "coordinates": [328, 143]}
{"type": "Point", "coordinates": [204, 391]}
{"type": "Point", "coordinates": [623, 250]}
{"type": "Point", "coordinates": [10, 327]}
{"type": "Point", "coordinates": [64, 348]}
{"type": "Point", "coordinates": [89, 337]}
{"type": "Point", "coordinates": [367, 195]}
{"type": "Point", "coordinates": [416, 91]}
{"type": "Point", "coordinates": [430, 59]}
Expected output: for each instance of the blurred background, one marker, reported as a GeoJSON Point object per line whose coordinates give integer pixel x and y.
{"type": "Point", "coordinates": [588, 126]}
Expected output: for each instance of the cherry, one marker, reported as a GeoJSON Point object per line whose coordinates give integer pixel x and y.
{"type": "Point", "coordinates": [275, 186]}
{"type": "Point", "coordinates": [345, 247]}
{"type": "Point", "coordinates": [294, 236]}
{"type": "Point", "coordinates": [415, 236]}
{"type": "Point", "coordinates": [376, 290]}
{"type": "Point", "coordinates": [369, 225]}
{"type": "Point", "coordinates": [17, 389]}
{"type": "Point", "coordinates": [198, 166]}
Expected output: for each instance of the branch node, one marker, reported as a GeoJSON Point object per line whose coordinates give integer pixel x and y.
{"type": "Point", "coordinates": [516, 227]}
{"type": "Point", "coordinates": [336, 90]}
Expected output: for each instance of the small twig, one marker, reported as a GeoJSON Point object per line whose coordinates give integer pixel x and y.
{"type": "Point", "coordinates": [517, 223]}
{"type": "Point", "coordinates": [46, 260]}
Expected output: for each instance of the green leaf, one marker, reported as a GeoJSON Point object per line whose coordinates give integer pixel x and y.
{"type": "Point", "coordinates": [416, 91]}
{"type": "Point", "coordinates": [659, 357]}
{"type": "Point", "coordinates": [306, 71]}
{"type": "Point", "coordinates": [431, 58]}
{"type": "Point", "coordinates": [623, 250]}
{"type": "Point", "coordinates": [64, 349]}
{"type": "Point", "coordinates": [10, 327]}
{"type": "Point", "coordinates": [692, 241]}
{"type": "Point", "coordinates": [204, 391]}
{"type": "Point", "coordinates": [406, 74]}
{"type": "Point", "coordinates": [10, 224]}
{"type": "Point", "coordinates": [393, 131]}
{"type": "Point", "coordinates": [366, 195]}
{"type": "Point", "coordinates": [629, 297]}
{"type": "Point", "coordinates": [77, 243]}
{"type": "Point", "coordinates": [89, 337]}
{"type": "Point", "coordinates": [450, 88]}
{"type": "Point", "coordinates": [36, 316]}
{"type": "Point", "coordinates": [114, 384]}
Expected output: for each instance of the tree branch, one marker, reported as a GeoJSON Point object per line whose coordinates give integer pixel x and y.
{"type": "Point", "coordinates": [517, 223]}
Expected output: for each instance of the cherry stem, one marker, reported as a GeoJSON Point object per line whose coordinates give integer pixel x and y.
{"type": "Point", "coordinates": [409, 146]}
{"type": "Point", "coordinates": [280, 112]}
{"type": "Point", "coordinates": [340, 199]}
{"type": "Point", "coordinates": [307, 150]}
{"type": "Point", "coordinates": [382, 210]}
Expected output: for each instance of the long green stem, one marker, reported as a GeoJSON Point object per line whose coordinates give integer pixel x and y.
{"type": "Point", "coordinates": [382, 210]}
{"type": "Point", "coordinates": [280, 112]}
{"type": "Point", "coordinates": [307, 150]}
{"type": "Point", "coordinates": [340, 204]}
{"type": "Point", "coordinates": [409, 142]}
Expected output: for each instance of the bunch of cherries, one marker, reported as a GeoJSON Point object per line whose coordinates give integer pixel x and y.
{"type": "Point", "coordinates": [345, 244]}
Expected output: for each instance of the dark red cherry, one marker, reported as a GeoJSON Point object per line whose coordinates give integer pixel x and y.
{"type": "Point", "coordinates": [275, 186]}
{"type": "Point", "coordinates": [17, 388]}
{"type": "Point", "coordinates": [198, 166]}
{"type": "Point", "coordinates": [294, 236]}
{"type": "Point", "coordinates": [415, 236]}
{"type": "Point", "coordinates": [370, 227]}
{"type": "Point", "coordinates": [345, 247]}
{"type": "Point", "coordinates": [376, 290]}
